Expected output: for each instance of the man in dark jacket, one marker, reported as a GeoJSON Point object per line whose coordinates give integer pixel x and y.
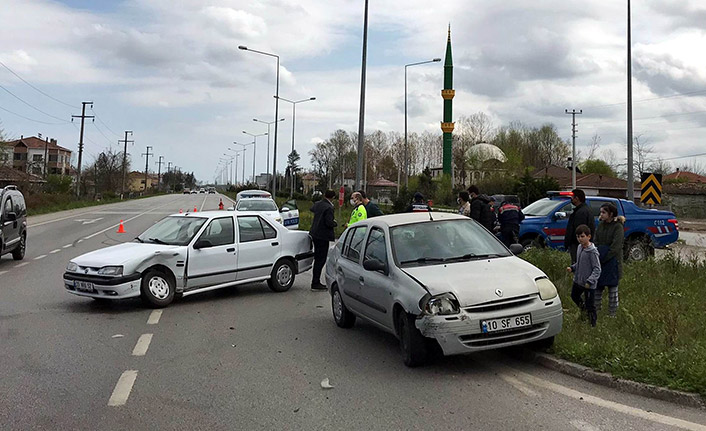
{"type": "Point", "coordinates": [321, 233]}
{"type": "Point", "coordinates": [418, 205]}
{"type": "Point", "coordinates": [510, 216]}
{"type": "Point", "coordinates": [581, 215]}
{"type": "Point", "coordinates": [371, 207]}
{"type": "Point", "coordinates": [480, 208]}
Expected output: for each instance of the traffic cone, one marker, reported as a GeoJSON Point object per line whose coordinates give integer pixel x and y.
{"type": "Point", "coordinates": [220, 205]}
{"type": "Point", "coordinates": [121, 229]}
{"type": "Point", "coordinates": [195, 210]}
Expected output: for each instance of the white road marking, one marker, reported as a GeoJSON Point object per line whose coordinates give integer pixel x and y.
{"type": "Point", "coordinates": [41, 256]}
{"type": "Point", "coordinates": [123, 388]}
{"type": "Point", "coordinates": [204, 202]}
{"type": "Point", "coordinates": [55, 251]}
{"type": "Point", "coordinates": [518, 385]}
{"type": "Point", "coordinates": [3, 272]}
{"type": "Point", "coordinates": [124, 221]}
{"type": "Point", "coordinates": [621, 408]}
{"type": "Point", "coordinates": [67, 246]}
{"type": "Point", "coordinates": [154, 317]}
{"type": "Point", "coordinates": [89, 221]}
{"type": "Point", "coordinates": [20, 265]}
{"type": "Point", "coordinates": [143, 343]}
{"type": "Point", "coordinates": [584, 426]}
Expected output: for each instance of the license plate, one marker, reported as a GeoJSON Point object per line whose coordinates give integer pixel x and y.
{"type": "Point", "coordinates": [85, 286]}
{"type": "Point", "coordinates": [505, 323]}
{"type": "Point", "coordinates": [291, 221]}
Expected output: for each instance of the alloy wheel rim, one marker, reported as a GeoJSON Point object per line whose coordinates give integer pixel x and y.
{"type": "Point", "coordinates": [22, 244]}
{"type": "Point", "coordinates": [337, 306]}
{"type": "Point", "coordinates": [159, 287]}
{"type": "Point", "coordinates": [284, 275]}
{"type": "Point", "coordinates": [637, 253]}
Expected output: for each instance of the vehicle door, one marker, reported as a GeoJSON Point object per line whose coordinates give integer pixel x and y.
{"type": "Point", "coordinates": [349, 266]}
{"type": "Point", "coordinates": [595, 207]}
{"type": "Point", "coordinates": [290, 214]}
{"type": "Point", "coordinates": [375, 285]}
{"type": "Point", "coordinates": [10, 225]}
{"type": "Point", "coordinates": [258, 247]}
{"type": "Point", "coordinates": [557, 228]}
{"type": "Point", "coordinates": [213, 255]}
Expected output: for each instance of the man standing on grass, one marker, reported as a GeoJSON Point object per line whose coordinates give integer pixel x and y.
{"type": "Point", "coordinates": [322, 234]}
{"type": "Point", "coordinates": [580, 215]}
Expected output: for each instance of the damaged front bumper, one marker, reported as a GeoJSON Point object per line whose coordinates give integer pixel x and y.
{"type": "Point", "coordinates": [462, 333]}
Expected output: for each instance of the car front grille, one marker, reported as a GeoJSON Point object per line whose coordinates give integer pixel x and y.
{"type": "Point", "coordinates": [501, 304]}
{"type": "Point", "coordinates": [501, 337]}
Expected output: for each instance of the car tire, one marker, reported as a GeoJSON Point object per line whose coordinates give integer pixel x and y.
{"type": "Point", "coordinates": [341, 315]}
{"type": "Point", "coordinates": [19, 252]}
{"type": "Point", "coordinates": [638, 250]}
{"type": "Point", "coordinates": [412, 343]}
{"type": "Point", "coordinates": [530, 243]}
{"type": "Point", "coordinates": [282, 276]}
{"type": "Point", "coordinates": [157, 289]}
{"type": "Point", "coordinates": [543, 344]}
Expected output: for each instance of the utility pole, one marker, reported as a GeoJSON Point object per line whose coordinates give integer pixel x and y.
{"type": "Point", "coordinates": [83, 117]}
{"type": "Point", "coordinates": [361, 113]}
{"type": "Point", "coordinates": [147, 164]}
{"type": "Point", "coordinates": [125, 141]}
{"type": "Point", "coordinates": [169, 170]}
{"type": "Point", "coordinates": [573, 113]}
{"type": "Point", "coordinates": [631, 179]}
{"type": "Point", "coordinates": [159, 172]}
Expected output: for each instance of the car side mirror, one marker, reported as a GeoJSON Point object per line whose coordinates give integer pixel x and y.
{"type": "Point", "coordinates": [516, 249]}
{"type": "Point", "coordinates": [202, 243]}
{"type": "Point", "coordinates": [284, 210]}
{"type": "Point", "coordinates": [559, 215]}
{"type": "Point", "coordinates": [374, 265]}
{"type": "Point", "coordinates": [11, 216]}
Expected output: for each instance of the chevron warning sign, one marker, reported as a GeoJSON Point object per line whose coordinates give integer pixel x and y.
{"type": "Point", "coordinates": [651, 189]}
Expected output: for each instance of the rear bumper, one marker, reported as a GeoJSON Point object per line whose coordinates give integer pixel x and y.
{"type": "Point", "coordinates": [305, 261]}
{"type": "Point", "coordinates": [104, 287]}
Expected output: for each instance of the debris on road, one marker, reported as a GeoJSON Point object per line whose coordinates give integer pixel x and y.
{"type": "Point", "coordinates": [325, 384]}
{"type": "Point", "coordinates": [117, 336]}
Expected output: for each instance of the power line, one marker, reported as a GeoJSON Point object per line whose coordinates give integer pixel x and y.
{"type": "Point", "coordinates": [101, 132]}
{"type": "Point", "coordinates": [31, 119]}
{"type": "Point", "coordinates": [31, 106]}
{"type": "Point", "coordinates": [648, 118]}
{"type": "Point", "coordinates": [21, 79]}
{"type": "Point", "coordinates": [650, 99]}
{"type": "Point", "coordinates": [103, 123]}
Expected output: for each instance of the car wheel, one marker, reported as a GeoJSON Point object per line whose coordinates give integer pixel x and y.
{"type": "Point", "coordinates": [343, 317]}
{"type": "Point", "coordinates": [157, 289]}
{"type": "Point", "coordinates": [412, 343]}
{"type": "Point", "coordinates": [543, 344]}
{"type": "Point", "coordinates": [637, 250]}
{"type": "Point", "coordinates": [19, 252]}
{"type": "Point", "coordinates": [282, 277]}
{"type": "Point", "coordinates": [530, 243]}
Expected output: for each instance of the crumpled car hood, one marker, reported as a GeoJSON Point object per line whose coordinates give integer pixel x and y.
{"type": "Point", "coordinates": [123, 253]}
{"type": "Point", "coordinates": [475, 282]}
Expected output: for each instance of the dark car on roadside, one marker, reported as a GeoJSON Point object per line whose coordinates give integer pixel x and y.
{"type": "Point", "coordinates": [13, 222]}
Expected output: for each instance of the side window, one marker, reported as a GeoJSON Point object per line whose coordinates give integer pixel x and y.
{"type": "Point", "coordinates": [356, 243]}
{"type": "Point", "coordinates": [568, 208]}
{"type": "Point", "coordinates": [291, 204]}
{"type": "Point", "coordinates": [250, 229]}
{"type": "Point", "coordinates": [19, 206]}
{"type": "Point", "coordinates": [8, 206]}
{"type": "Point", "coordinates": [595, 206]}
{"type": "Point", "coordinates": [341, 241]}
{"type": "Point", "coordinates": [269, 231]}
{"type": "Point", "coordinates": [375, 248]}
{"type": "Point", "coordinates": [219, 232]}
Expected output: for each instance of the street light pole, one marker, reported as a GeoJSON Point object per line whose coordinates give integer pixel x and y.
{"type": "Point", "coordinates": [361, 109]}
{"type": "Point", "coordinates": [294, 118]}
{"type": "Point", "coordinates": [406, 150]}
{"type": "Point", "coordinates": [268, 143]}
{"type": "Point", "coordinates": [254, 152]}
{"type": "Point", "coordinates": [274, 158]}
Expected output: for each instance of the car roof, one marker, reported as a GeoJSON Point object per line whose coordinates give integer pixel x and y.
{"type": "Point", "coordinates": [392, 220]}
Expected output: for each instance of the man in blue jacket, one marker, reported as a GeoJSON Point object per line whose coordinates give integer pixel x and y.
{"type": "Point", "coordinates": [322, 234]}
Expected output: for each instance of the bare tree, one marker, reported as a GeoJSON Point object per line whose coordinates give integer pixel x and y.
{"type": "Point", "coordinates": [641, 154]}
{"type": "Point", "coordinates": [593, 147]}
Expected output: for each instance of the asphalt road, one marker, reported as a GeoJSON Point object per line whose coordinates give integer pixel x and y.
{"type": "Point", "coordinates": [248, 358]}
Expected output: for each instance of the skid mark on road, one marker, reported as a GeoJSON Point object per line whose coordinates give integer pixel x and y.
{"type": "Point", "coordinates": [600, 402]}
{"type": "Point", "coordinates": [154, 317]}
{"type": "Point", "coordinates": [123, 388]}
{"type": "Point", "coordinates": [143, 343]}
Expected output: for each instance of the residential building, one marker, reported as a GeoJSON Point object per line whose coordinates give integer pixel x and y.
{"type": "Point", "coordinates": [38, 156]}
{"type": "Point", "coordinates": [136, 181]}
{"type": "Point", "coordinates": [591, 184]}
{"type": "Point", "coordinates": [685, 177]}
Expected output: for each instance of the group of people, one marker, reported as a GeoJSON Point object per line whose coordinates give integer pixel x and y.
{"type": "Point", "coordinates": [596, 255]}
{"type": "Point", "coordinates": [504, 219]}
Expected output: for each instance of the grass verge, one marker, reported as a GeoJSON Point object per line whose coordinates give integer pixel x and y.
{"type": "Point", "coordinates": [45, 203]}
{"type": "Point", "coordinates": [659, 335]}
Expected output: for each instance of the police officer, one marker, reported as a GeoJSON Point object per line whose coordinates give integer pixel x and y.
{"type": "Point", "coordinates": [359, 212]}
{"type": "Point", "coordinates": [510, 216]}
{"type": "Point", "coordinates": [418, 205]}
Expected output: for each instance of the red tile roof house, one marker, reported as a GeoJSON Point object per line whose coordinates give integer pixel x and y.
{"type": "Point", "coordinates": [39, 157]}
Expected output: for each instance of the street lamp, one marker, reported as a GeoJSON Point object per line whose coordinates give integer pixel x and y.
{"type": "Point", "coordinates": [254, 151]}
{"type": "Point", "coordinates": [274, 158]}
{"type": "Point", "coordinates": [237, 156]}
{"type": "Point", "coordinates": [294, 118]}
{"type": "Point", "coordinates": [268, 143]}
{"type": "Point", "coordinates": [244, 148]}
{"type": "Point", "coordinates": [406, 151]}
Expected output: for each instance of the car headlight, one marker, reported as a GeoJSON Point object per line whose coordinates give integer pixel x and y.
{"type": "Point", "coordinates": [72, 267]}
{"type": "Point", "coordinates": [442, 305]}
{"type": "Point", "coordinates": [111, 270]}
{"type": "Point", "coordinates": [547, 290]}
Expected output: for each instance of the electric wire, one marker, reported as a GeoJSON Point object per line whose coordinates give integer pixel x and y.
{"type": "Point", "coordinates": [31, 106]}
{"type": "Point", "coordinates": [101, 132]}
{"type": "Point", "coordinates": [649, 99]}
{"type": "Point", "coordinates": [31, 119]}
{"type": "Point", "coordinates": [103, 123]}
{"type": "Point", "coordinates": [49, 96]}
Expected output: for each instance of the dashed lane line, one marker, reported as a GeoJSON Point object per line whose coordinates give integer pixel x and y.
{"type": "Point", "coordinates": [143, 343]}
{"type": "Point", "coordinates": [123, 388]}
{"type": "Point", "coordinates": [41, 256]}
{"type": "Point", "coordinates": [67, 246]}
{"type": "Point", "coordinates": [204, 202]}
{"type": "Point", "coordinates": [55, 251]}
{"type": "Point", "coordinates": [20, 265]}
{"type": "Point", "coordinates": [3, 272]}
{"type": "Point", "coordinates": [154, 317]}
{"type": "Point", "coordinates": [125, 221]}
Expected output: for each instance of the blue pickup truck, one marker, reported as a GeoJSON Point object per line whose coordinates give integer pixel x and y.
{"type": "Point", "coordinates": [645, 229]}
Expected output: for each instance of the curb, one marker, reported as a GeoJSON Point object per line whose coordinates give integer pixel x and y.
{"type": "Point", "coordinates": [606, 379]}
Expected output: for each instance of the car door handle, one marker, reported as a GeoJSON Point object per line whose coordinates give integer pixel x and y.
{"type": "Point", "coordinates": [230, 250]}
{"type": "Point", "coordinates": [361, 279]}
{"type": "Point", "coordinates": [275, 244]}
{"type": "Point", "coordinates": [339, 270]}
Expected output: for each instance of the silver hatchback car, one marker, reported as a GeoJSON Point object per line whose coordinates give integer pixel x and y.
{"type": "Point", "coordinates": [440, 278]}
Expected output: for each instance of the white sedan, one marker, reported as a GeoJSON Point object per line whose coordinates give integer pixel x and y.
{"type": "Point", "coordinates": [288, 215]}
{"type": "Point", "coordinates": [189, 253]}
{"type": "Point", "coordinates": [437, 278]}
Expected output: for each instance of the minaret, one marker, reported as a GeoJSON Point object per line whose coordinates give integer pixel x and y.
{"type": "Point", "coordinates": [447, 126]}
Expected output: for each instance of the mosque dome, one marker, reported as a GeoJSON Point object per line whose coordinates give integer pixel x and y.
{"type": "Point", "coordinates": [484, 152]}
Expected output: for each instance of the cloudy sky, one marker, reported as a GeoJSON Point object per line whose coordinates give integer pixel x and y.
{"type": "Point", "coordinates": [171, 71]}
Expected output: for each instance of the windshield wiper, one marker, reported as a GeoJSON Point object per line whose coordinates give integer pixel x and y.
{"type": "Point", "coordinates": [476, 256]}
{"type": "Point", "coordinates": [157, 241]}
{"type": "Point", "coordinates": [423, 260]}
{"type": "Point", "coordinates": [139, 239]}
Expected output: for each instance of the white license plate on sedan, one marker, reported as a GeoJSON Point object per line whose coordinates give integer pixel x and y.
{"type": "Point", "coordinates": [85, 286]}
{"type": "Point", "coordinates": [505, 323]}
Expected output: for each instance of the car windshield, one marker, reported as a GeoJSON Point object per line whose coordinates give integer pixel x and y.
{"type": "Point", "coordinates": [542, 207]}
{"type": "Point", "coordinates": [434, 242]}
{"type": "Point", "coordinates": [173, 230]}
{"type": "Point", "coordinates": [256, 205]}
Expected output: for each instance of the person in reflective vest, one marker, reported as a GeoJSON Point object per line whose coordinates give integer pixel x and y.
{"type": "Point", "coordinates": [359, 212]}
